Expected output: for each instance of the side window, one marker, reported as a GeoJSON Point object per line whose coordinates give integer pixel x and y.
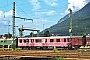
{"type": "Point", "coordinates": [45, 40]}
{"type": "Point", "coordinates": [24, 40]}
{"type": "Point", "coordinates": [20, 40]}
{"type": "Point", "coordinates": [27, 40]}
{"type": "Point", "coordinates": [64, 39]}
{"type": "Point", "coordinates": [57, 40]}
{"type": "Point", "coordinates": [38, 40]}
{"type": "Point", "coordinates": [51, 40]}
{"type": "Point", "coordinates": [5, 41]}
{"type": "Point", "coordinates": [1, 41]}
{"type": "Point", "coordinates": [67, 39]}
{"type": "Point", "coordinates": [32, 40]}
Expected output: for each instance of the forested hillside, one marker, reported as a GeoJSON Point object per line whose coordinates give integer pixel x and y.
{"type": "Point", "coordinates": [80, 23]}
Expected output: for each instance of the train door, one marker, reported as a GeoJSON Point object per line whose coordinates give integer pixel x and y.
{"type": "Point", "coordinates": [66, 42]}
{"type": "Point", "coordinates": [75, 41]}
{"type": "Point", "coordinates": [32, 42]}
{"type": "Point", "coordinates": [44, 41]}
{"type": "Point", "coordinates": [50, 43]}
{"type": "Point", "coordinates": [20, 43]}
{"type": "Point", "coordinates": [84, 40]}
{"type": "Point", "coordinates": [16, 42]}
{"type": "Point", "coordinates": [70, 43]}
{"type": "Point", "coordinates": [88, 41]}
{"type": "Point", "coordinates": [38, 43]}
{"type": "Point", "coordinates": [26, 42]}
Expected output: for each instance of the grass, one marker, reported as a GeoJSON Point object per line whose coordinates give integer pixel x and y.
{"type": "Point", "coordinates": [55, 49]}
{"type": "Point", "coordinates": [60, 58]}
{"type": "Point", "coordinates": [17, 49]}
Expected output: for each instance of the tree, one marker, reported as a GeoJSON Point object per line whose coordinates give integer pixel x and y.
{"type": "Point", "coordinates": [8, 35]}
{"type": "Point", "coordinates": [81, 33]}
{"type": "Point", "coordinates": [1, 36]}
{"type": "Point", "coordinates": [47, 33]}
{"type": "Point", "coordinates": [31, 34]}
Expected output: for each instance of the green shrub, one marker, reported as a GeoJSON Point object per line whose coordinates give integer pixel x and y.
{"type": "Point", "coordinates": [55, 49]}
{"type": "Point", "coordinates": [17, 49]}
{"type": "Point", "coordinates": [60, 58]}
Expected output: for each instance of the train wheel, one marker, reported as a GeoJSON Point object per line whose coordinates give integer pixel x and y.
{"type": "Point", "coordinates": [44, 48]}
{"type": "Point", "coordinates": [22, 48]}
{"type": "Point", "coordinates": [70, 47]}
{"type": "Point", "coordinates": [33, 47]}
{"type": "Point", "coordinates": [76, 47]}
{"type": "Point", "coordinates": [50, 47]}
{"type": "Point", "coordinates": [29, 48]}
{"type": "Point", "coordinates": [41, 48]}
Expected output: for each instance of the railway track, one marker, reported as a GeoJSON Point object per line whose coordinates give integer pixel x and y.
{"type": "Point", "coordinates": [67, 54]}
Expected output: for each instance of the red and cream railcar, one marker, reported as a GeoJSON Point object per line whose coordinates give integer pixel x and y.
{"type": "Point", "coordinates": [50, 42]}
{"type": "Point", "coordinates": [44, 42]}
{"type": "Point", "coordinates": [78, 41]}
{"type": "Point", "coordinates": [88, 41]}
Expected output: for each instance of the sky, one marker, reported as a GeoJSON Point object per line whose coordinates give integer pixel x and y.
{"type": "Point", "coordinates": [44, 13]}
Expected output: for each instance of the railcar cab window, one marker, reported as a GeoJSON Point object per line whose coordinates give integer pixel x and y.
{"type": "Point", "coordinates": [20, 40]}
{"type": "Point", "coordinates": [51, 40]}
{"type": "Point", "coordinates": [64, 39]}
{"type": "Point", "coordinates": [57, 40]}
{"type": "Point", "coordinates": [38, 40]}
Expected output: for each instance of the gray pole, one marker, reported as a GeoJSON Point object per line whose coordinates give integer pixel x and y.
{"type": "Point", "coordinates": [13, 21]}
{"type": "Point", "coordinates": [70, 30]}
{"type": "Point", "coordinates": [8, 29]}
{"type": "Point", "coordinates": [43, 29]}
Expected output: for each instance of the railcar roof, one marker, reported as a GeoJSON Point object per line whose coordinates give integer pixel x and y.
{"type": "Point", "coordinates": [7, 39]}
{"type": "Point", "coordinates": [53, 37]}
{"type": "Point", "coordinates": [45, 37]}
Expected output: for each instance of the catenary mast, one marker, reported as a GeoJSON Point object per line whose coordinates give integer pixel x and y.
{"type": "Point", "coordinates": [13, 21]}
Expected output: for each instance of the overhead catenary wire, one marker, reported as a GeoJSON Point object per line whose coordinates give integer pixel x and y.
{"type": "Point", "coordinates": [27, 14]}
{"type": "Point", "coordinates": [23, 3]}
{"type": "Point", "coordinates": [18, 14]}
{"type": "Point", "coordinates": [23, 11]}
{"type": "Point", "coordinates": [6, 5]}
{"type": "Point", "coordinates": [18, 5]}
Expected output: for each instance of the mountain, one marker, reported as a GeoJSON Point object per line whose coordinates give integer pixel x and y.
{"type": "Point", "coordinates": [80, 23]}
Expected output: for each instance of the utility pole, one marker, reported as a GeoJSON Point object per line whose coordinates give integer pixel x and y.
{"type": "Point", "coordinates": [70, 29]}
{"type": "Point", "coordinates": [38, 33]}
{"type": "Point", "coordinates": [43, 29]}
{"type": "Point", "coordinates": [8, 29]}
{"type": "Point", "coordinates": [21, 31]}
{"type": "Point", "coordinates": [13, 21]}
